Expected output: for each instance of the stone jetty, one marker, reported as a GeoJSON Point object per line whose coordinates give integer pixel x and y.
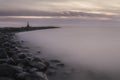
{"type": "Point", "coordinates": [16, 64]}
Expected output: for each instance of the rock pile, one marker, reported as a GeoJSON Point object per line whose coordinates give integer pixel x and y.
{"type": "Point", "coordinates": [15, 64]}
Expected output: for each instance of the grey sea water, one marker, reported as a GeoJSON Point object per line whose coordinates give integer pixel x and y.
{"type": "Point", "coordinates": [94, 48]}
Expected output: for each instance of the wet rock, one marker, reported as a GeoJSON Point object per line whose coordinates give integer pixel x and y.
{"type": "Point", "coordinates": [51, 72]}
{"type": "Point", "coordinates": [29, 55]}
{"type": "Point", "coordinates": [24, 62]}
{"type": "Point", "coordinates": [8, 70]}
{"type": "Point", "coordinates": [2, 53]}
{"type": "Point", "coordinates": [22, 75]}
{"type": "Point", "coordinates": [11, 53]}
{"type": "Point", "coordinates": [17, 49]}
{"type": "Point", "coordinates": [55, 61]}
{"type": "Point", "coordinates": [3, 61]}
{"type": "Point", "coordinates": [67, 72]}
{"type": "Point", "coordinates": [41, 75]}
{"type": "Point", "coordinates": [25, 51]}
{"type": "Point", "coordinates": [37, 59]}
{"type": "Point", "coordinates": [26, 48]}
{"type": "Point", "coordinates": [53, 67]}
{"type": "Point", "coordinates": [38, 52]}
{"type": "Point", "coordinates": [22, 41]}
{"type": "Point", "coordinates": [18, 68]}
{"type": "Point", "coordinates": [29, 58]}
{"type": "Point", "coordinates": [10, 61]}
{"type": "Point", "coordinates": [15, 57]}
{"type": "Point", "coordinates": [32, 76]}
{"type": "Point", "coordinates": [33, 69]}
{"type": "Point", "coordinates": [16, 63]}
{"type": "Point", "coordinates": [38, 65]}
{"type": "Point", "coordinates": [6, 44]}
{"type": "Point", "coordinates": [6, 78]}
{"type": "Point", "coordinates": [60, 65]}
{"type": "Point", "coordinates": [22, 56]}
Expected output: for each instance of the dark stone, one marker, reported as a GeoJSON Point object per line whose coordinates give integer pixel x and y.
{"type": "Point", "coordinates": [3, 61]}
{"type": "Point", "coordinates": [11, 53]}
{"type": "Point", "coordinates": [15, 65]}
{"type": "Point", "coordinates": [25, 62]}
{"type": "Point", "coordinates": [38, 65]}
{"type": "Point", "coordinates": [51, 72]}
{"type": "Point", "coordinates": [29, 58]}
{"type": "Point", "coordinates": [22, 76]}
{"type": "Point", "coordinates": [40, 75]}
{"type": "Point", "coordinates": [33, 69]}
{"type": "Point", "coordinates": [47, 66]}
{"type": "Point", "coordinates": [38, 52]}
{"type": "Point", "coordinates": [11, 61]}
{"type": "Point", "coordinates": [25, 50]}
{"type": "Point", "coordinates": [6, 78]}
{"type": "Point", "coordinates": [53, 67]}
{"type": "Point", "coordinates": [55, 61]}
{"type": "Point", "coordinates": [7, 70]}
{"type": "Point", "coordinates": [37, 59]}
{"type": "Point", "coordinates": [22, 41]}
{"type": "Point", "coordinates": [22, 56]}
{"type": "Point", "coordinates": [60, 65]}
{"type": "Point", "coordinates": [3, 53]}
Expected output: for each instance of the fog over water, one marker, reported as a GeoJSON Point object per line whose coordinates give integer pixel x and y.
{"type": "Point", "coordinates": [94, 47]}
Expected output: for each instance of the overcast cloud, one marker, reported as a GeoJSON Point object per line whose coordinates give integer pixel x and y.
{"type": "Point", "coordinates": [87, 9]}
{"type": "Point", "coordinates": [96, 6]}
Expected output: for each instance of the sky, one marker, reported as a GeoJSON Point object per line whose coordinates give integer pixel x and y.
{"type": "Point", "coordinates": [38, 9]}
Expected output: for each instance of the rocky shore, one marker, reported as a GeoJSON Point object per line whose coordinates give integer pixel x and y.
{"type": "Point", "coordinates": [23, 29]}
{"type": "Point", "coordinates": [16, 64]}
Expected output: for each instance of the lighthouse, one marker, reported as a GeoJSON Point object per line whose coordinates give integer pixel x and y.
{"type": "Point", "coordinates": [28, 25]}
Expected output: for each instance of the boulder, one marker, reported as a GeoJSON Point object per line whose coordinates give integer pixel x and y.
{"type": "Point", "coordinates": [38, 52]}
{"type": "Point", "coordinates": [2, 53]}
{"type": "Point", "coordinates": [22, 75]}
{"type": "Point", "coordinates": [10, 61]}
{"type": "Point", "coordinates": [51, 72]}
{"type": "Point", "coordinates": [41, 75]}
{"type": "Point", "coordinates": [53, 67]}
{"type": "Point", "coordinates": [60, 65]}
{"type": "Point", "coordinates": [24, 62]}
{"type": "Point", "coordinates": [6, 78]}
{"type": "Point", "coordinates": [11, 53]}
{"type": "Point", "coordinates": [38, 65]}
{"type": "Point", "coordinates": [22, 56]}
{"type": "Point", "coordinates": [37, 59]}
{"type": "Point", "coordinates": [55, 61]}
{"type": "Point", "coordinates": [8, 70]}
{"type": "Point", "coordinates": [33, 70]}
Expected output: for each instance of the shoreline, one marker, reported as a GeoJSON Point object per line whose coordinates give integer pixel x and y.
{"type": "Point", "coordinates": [25, 65]}
{"type": "Point", "coordinates": [16, 62]}
{"type": "Point", "coordinates": [57, 68]}
{"type": "Point", "coordinates": [24, 29]}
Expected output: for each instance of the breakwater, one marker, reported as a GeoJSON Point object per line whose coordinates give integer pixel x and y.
{"type": "Point", "coordinates": [23, 29]}
{"type": "Point", "coordinates": [15, 64]}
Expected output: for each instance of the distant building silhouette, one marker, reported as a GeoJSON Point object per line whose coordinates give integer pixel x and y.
{"type": "Point", "coordinates": [28, 25]}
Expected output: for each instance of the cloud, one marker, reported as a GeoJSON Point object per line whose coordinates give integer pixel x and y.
{"type": "Point", "coordinates": [59, 5]}
{"type": "Point", "coordinates": [52, 14]}
{"type": "Point", "coordinates": [85, 8]}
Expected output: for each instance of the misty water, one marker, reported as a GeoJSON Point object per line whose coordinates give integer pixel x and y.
{"type": "Point", "coordinates": [92, 49]}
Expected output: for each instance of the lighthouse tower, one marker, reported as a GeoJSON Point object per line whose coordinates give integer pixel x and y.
{"type": "Point", "coordinates": [28, 25]}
